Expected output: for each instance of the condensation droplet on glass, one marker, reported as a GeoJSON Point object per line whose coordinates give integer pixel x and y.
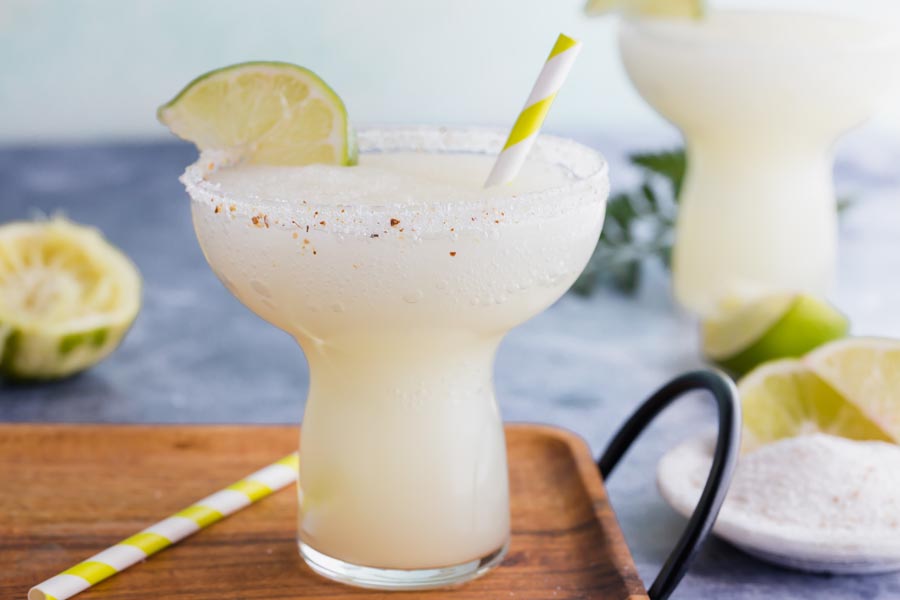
{"type": "Point", "coordinates": [442, 284]}
{"type": "Point", "coordinates": [260, 288]}
{"type": "Point", "coordinates": [229, 285]}
{"type": "Point", "coordinates": [337, 307]}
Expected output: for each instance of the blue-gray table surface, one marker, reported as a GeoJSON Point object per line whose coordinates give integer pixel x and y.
{"type": "Point", "coordinates": [195, 355]}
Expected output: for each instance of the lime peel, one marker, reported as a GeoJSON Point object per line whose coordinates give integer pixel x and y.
{"type": "Point", "coordinates": [773, 327]}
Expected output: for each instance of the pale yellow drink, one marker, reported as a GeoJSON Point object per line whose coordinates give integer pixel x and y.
{"type": "Point", "coordinates": [761, 98]}
{"type": "Point", "coordinates": [398, 278]}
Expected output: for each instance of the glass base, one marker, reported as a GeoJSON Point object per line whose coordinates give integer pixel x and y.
{"type": "Point", "coordinates": [399, 579]}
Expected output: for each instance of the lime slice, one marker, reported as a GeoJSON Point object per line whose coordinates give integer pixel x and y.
{"type": "Point", "coordinates": [785, 398]}
{"type": "Point", "coordinates": [866, 371]}
{"type": "Point", "coordinates": [692, 9]}
{"type": "Point", "coordinates": [777, 326]}
{"type": "Point", "coordinates": [67, 297]}
{"type": "Point", "coordinates": [266, 112]}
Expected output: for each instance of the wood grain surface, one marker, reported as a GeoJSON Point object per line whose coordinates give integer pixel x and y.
{"type": "Point", "coordinates": [69, 491]}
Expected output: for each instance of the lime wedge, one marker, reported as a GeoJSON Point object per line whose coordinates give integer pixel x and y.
{"type": "Point", "coordinates": [785, 398]}
{"type": "Point", "coordinates": [692, 9]}
{"type": "Point", "coordinates": [266, 112]}
{"type": "Point", "coordinates": [866, 371]}
{"type": "Point", "coordinates": [777, 326]}
{"type": "Point", "coordinates": [67, 297]}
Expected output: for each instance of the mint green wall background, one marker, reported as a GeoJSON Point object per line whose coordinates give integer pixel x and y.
{"type": "Point", "coordinates": [97, 69]}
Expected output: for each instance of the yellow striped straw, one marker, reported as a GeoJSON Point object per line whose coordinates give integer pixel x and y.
{"type": "Point", "coordinates": [168, 531]}
{"type": "Point", "coordinates": [528, 124]}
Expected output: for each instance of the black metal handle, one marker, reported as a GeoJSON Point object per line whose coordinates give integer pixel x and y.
{"type": "Point", "coordinates": [724, 460]}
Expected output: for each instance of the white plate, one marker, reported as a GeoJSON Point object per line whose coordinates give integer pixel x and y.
{"type": "Point", "coordinates": [680, 476]}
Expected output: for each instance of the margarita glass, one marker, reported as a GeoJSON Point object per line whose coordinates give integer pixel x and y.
{"type": "Point", "coordinates": [760, 98]}
{"type": "Point", "coordinates": [399, 278]}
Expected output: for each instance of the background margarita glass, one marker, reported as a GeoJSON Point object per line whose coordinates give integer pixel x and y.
{"type": "Point", "coordinates": [399, 278]}
{"type": "Point", "coordinates": [760, 98]}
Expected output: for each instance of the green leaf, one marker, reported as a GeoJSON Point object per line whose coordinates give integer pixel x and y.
{"type": "Point", "coordinates": [626, 277]}
{"type": "Point", "coordinates": [585, 284]}
{"type": "Point", "coordinates": [844, 203]}
{"type": "Point", "coordinates": [671, 165]}
{"type": "Point", "coordinates": [620, 208]}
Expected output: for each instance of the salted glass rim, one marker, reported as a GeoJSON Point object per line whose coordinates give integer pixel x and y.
{"type": "Point", "coordinates": [882, 38]}
{"type": "Point", "coordinates": [589, 182]}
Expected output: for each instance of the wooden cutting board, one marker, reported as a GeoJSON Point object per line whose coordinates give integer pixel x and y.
{"type": "Point", "coordinates": [68, 491]}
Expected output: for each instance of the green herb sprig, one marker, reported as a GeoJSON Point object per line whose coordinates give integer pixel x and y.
{"type": "Point", "coordinates": [640, 224]}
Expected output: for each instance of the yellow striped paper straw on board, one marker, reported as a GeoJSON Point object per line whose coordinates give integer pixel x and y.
{"type": "Point", "coordinates": [529, 122]}
{"type": "Point", "coordinates": [168, 531]}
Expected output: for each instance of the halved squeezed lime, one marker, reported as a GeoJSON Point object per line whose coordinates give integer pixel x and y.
{"type": "Point", "coordinates": [67, 297]}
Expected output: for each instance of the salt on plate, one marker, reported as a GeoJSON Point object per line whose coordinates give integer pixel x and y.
{"type": "Point", "coordinates": [815, 502]}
